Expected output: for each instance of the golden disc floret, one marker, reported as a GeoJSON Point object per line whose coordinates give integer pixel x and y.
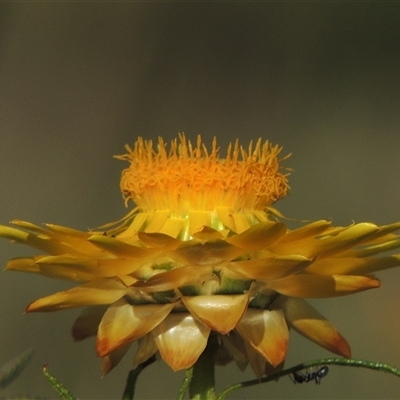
{"type": "Point", "coordinates": [190, 177]}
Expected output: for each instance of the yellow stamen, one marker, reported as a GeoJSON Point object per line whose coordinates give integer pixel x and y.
{"type": "Point", "coordinates": [190, 177]}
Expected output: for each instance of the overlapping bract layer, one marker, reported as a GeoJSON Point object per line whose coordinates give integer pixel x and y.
{"type": "Point", "coordinates": [170, 294]}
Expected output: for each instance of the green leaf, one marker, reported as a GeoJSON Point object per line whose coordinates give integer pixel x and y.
{"type": "Point", "coordinates": [57, 386]}
{"type": "Point", "coordinates": [12, 369]}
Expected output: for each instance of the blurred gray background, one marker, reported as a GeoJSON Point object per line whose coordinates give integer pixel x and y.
{"type": "Point", "coordinates": [80, 80]}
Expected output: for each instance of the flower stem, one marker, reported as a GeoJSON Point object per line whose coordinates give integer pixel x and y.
{"type": "Point", "coordinates": [202, 385]}
{"type": "Point", "coordinates": [129, 391]}
{"type": "Point", "coordinates": [326, 361]}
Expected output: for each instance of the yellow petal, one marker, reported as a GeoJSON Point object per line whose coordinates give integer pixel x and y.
{"type": "Point", "coordinates": [259, 236]}
{"type": "Point", "coordinates": [207, 234]}
{"type": "Point", "coordinates": [354, 266]}
{"type": "Point", "coordinates": [226, 217]}
{"type": "Point", "coordinates": [64, 267]}
{"type": "Point", "coordinates": [208, 253]}
{"type": "Point", "coordinates": [157, 220]}
{"type": "Point", "coordinates": [159, 240]}
{"type": "Point", "coordinates": [119, 266]}
{"type": "Point", "coordinates": [61, 236]}
{"type": "Point", "coordinates": [84, 269]}
{"type": "Point", "coordinates": [137, 221]}
{"type": "Point", "coordinates": [100, 291]}
{"type": "Point", "coordinates": [235, 346]}
{"type": "Point", "coordinates": [69, 268]}
{"type": "Point", "coordinates": [124, 323]}
{"type": "Point", "coordinates": [180, 339]}
{"type": "Point", "coordinates": [337, 240]}
{"type": "Point", "coordinates": [111, 360]}
{"type": "Point", "coordinates": [26, 264]}
{"type": "Point", "coordinates": [258, 363]}
{"type": "Point", "coordinates": [348, 238]}
{"type": "Point", "coordinates": [172, 227]}
{"type": "Point", "coordinates": [65, 231]}
{"type": "Point", "coordinates": [311, 324]}
{"type": "Point", "coordinates": [271, 370]}
{"type": "Point", "coordinates": [119, 248]}
{"type": "Point", "coordinates": [371, 249]}
{"type": "Point", "coordinates": [384, 233]}
{"type": "Point", "coordinates": [313, 286]}
{"type": "Point", "coordinates": [41, 242]}
{"type": "Point", "coordinates": [269, 268]}
{"type": "Point", "coordinates": [267, 332]}
{"type": "Point", "coordinates": [240, 222]}
{"type": "Point", "coordinates": [261, 215]}
{"type": "Point", "coordinates": [147, 348]}
{"type": "Point", "coordinates": [87, 323]}
{"type": "Point", "coordinates": [310, 230]}
{"type": "Point", "coordinates": [221, 313]}
{"type": "Point", "coordinates": [78, 240]}
{"type": "Point", "coordinates": [175, 278]}
{"type": "Point", "coordinates": [256, 360]}
{"type": "Point", "coordinates": [198, 219]}
{"type": "Point", "coordinates": [29, 226]}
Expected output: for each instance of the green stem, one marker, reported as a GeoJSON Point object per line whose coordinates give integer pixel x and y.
{"type": "Point", "coordinates": [326, 361]}
{"type": "Point", "coordinates": [202, 384]}
{"type": "Point", "coordinates": [129, 391]}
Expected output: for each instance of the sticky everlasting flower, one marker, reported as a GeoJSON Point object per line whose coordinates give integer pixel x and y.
{"type": "Point", "coordinates": [203, 257]}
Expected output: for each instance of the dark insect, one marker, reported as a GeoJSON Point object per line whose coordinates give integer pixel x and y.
{"type": "Point", "coordinates": [316, 376]}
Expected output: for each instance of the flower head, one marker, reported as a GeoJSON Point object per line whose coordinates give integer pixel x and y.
{"type": "Point", "coordinates": [201, 257]}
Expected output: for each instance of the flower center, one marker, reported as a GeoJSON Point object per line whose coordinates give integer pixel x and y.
{"type": "Point", "coordinates": [186, 187]}
{"type": "Point", "coordinates": [190, 177]}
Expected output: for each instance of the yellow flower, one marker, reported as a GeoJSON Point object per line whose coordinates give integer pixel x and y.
{"type": "Point", "coordinates": [202, 258]}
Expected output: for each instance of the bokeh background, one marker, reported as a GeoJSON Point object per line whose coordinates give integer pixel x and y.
{"type": "Point", "coordinates": [80, 80]}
